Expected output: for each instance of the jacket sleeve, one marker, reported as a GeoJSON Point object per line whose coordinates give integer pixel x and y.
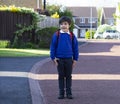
{"type": "Point", "coordinates": [75, 49]}
{"type": "Point", "coordinates": [53, 46]}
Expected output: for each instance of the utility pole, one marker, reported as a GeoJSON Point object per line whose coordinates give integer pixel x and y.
{"type": "Point", "coordinates": [44, 5]}
{"type": "Point", "coordinates": [91, 22]}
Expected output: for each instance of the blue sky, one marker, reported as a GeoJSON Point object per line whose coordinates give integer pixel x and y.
{"type": "Point", "coordinates": [98, 3]}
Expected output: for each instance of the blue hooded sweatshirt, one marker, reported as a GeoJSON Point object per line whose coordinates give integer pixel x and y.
{"type": "Point", "coordinates": [64, 46]}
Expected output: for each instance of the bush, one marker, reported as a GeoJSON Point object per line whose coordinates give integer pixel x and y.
{"type": "Point", "coordinates": [31, 45]}
{"type": "Point", "coordinates": [104, 27]}
{"type": "Point", "coordinates": [43, 39]}
{"type": "Point", "coordinates": [19, 43]}
{"type": "Point", "coordinates": [44, 36]}
{"type": "Point", "coordinates": [4, 43]}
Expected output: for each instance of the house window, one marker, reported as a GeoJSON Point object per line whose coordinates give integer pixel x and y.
{"type": "Point", "coordinates": [91, 20]}
{"type": "Point", "coordinates": [82, 20]}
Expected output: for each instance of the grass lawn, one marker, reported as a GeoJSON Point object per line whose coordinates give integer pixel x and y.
{"type": "Point", "coordinates": [8, 52]}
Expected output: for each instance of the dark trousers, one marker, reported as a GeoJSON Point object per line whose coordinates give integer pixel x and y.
{"type": "Point", "coordinates": [64, 75]}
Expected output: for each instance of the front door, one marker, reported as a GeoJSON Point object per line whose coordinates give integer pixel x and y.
{"type": "Point", "coordinates": [82, 33]}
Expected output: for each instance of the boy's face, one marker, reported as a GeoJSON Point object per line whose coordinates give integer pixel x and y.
{"type": "Point", "coordinates": [64, 26]}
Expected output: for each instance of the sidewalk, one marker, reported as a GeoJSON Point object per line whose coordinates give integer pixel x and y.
{"type": "Point", "coordinates": [95, 77]}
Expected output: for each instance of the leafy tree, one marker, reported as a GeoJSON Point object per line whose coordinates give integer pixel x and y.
{"type": "Point", "coordinates": [117, 15]}
{"type": "Point", "coordinates": [99, 10]}
{"type": "Point", "coordinates": [52, 8]}
{"type": "Point", "coordinates": [104, 27]}
{"type": "Point", "coordinates": [62, 11]}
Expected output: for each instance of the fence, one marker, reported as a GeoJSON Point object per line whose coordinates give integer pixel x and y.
{"type": "Point", "coordinates": [8, 21]}
{"type": "Point", "coordinates": [48, 22]}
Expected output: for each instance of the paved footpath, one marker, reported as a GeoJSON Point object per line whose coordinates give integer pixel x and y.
{"type": "Point", "coordinates": [96, 77]}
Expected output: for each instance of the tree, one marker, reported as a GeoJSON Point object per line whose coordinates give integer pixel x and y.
{"type": "Point", "coordinates": [99, 10]}
{"type": "Point", "coordinates": [103, 28]}
{"type": "Point", "coordinates": [61, 11]}
{"type": "Point", "coordinates": [52, 8]}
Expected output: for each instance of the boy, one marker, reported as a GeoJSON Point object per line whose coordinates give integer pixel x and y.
{"type": "Point", "coordinates": [64, 53]}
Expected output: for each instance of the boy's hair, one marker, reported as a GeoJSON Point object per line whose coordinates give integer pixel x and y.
{"type": "Point", "coordinates": [65, 19]}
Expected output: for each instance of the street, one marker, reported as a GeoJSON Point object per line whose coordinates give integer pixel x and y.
{"type": "Point", "coordinates": [96, 77]}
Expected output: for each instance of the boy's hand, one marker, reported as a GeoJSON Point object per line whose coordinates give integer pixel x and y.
{"type": "Point", "coordinates": [74, 62]}
{"type": "Point", "coordinates": [55, 62]}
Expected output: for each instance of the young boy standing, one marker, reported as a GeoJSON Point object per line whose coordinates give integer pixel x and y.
{"type": "Point", "coordinates": [64, 53]}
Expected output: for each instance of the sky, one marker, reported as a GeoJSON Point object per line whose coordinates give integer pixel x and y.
{"type": "Point", "coordinates": [98, 3]}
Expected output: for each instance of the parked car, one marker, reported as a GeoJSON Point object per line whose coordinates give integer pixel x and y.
{"type": "Point", "coordinates": [111, 34]}
{"type": "Point", "coordinates": [98, 35]}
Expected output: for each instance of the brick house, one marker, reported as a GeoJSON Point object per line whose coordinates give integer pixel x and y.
{"type": "Point", "coordinates": [85, 18]}
{"type": "Point", "coordinates": [22, 3]}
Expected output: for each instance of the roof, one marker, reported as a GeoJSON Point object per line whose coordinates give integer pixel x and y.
{"type": "Point", "coordinates": [83, 11]}
{"type": "Point", "coordinates": [109, 11]}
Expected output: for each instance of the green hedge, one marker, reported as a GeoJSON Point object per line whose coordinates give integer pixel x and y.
{"type": "Point", "coordinates": [44, 36]}
{"type": "Point", "coordinates": [42, 39]}
{"type": "Point", "coordinates": [4, 43]}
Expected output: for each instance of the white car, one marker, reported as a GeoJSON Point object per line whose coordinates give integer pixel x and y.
{"type": "Point", "coordinates": [98, 35]}
{"type": "Point", "coordinates": [111, 34]}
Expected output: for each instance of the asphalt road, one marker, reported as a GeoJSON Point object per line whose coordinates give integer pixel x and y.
{"type": "Point", "coordinates": [15, 90]}
{"type": "Point", "coordinates": [95, 58]}
{"type": "Point", "coordinates": [101, 59]}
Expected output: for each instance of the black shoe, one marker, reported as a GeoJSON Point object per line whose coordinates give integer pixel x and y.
{"type": "Point", "coordinates": [69, 96]}
{"type": "Point", "coordinates": [61, 97]}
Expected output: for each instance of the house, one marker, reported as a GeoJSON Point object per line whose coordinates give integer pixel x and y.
{"type": "Point", "coordinates": [85, 18]}
{"type": "Point", "coordinates": [22, 3]}
{"type": "Point", "coordinates": [107, 15]}
{"type": "Point", "coordinates": [118, 15]}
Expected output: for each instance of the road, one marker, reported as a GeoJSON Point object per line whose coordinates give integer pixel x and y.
{"type": "Point", "coordinates": [96, 77]}
{"type": "Point", "coordinates": [15, 89]}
